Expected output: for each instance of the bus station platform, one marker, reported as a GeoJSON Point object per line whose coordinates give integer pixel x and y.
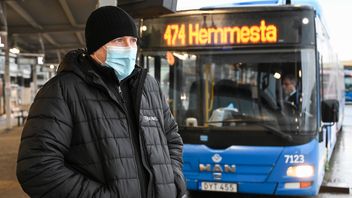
{"type": "Point", "coordinates": [9, 142]}
{"type": "Point", "coordinates": [337, 181]}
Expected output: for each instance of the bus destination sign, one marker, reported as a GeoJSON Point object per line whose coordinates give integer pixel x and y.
{"type": "Point", "coordinates": [208, 30]}
{"type": "Point", "coordinates": [193, 34]}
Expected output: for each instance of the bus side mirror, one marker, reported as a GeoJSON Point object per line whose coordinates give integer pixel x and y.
{"type": "Point", "coordinates": [330, 110]}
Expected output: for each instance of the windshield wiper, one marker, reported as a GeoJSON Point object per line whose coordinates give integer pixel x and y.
{"type": "Point", "coordinates": [258, 122]}
{"type": "Point", "coordinates": [276, 131]}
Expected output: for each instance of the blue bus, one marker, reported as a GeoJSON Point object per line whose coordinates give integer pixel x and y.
{"type": "Point", "coordinates": [348, 85]}
{"type": "Point", "coordinates": [256, 93]}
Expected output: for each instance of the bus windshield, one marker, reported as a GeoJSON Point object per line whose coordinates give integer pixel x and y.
{"type": "Point", "coordinates": [268, 90]}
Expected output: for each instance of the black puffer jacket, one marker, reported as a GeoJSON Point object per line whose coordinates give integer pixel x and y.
{"type": "Point", "coordinates": [77, 140]}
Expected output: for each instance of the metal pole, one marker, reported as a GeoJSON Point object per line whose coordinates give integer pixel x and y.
{"type": "Point", "coordinates": [34, 81]}
{"type": "Point", "coordinates": [7, 78]}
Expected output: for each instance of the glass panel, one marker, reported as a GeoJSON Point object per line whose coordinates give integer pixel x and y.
{"type": "Point", "coordinates": [244, 89]}
{"type": "Point", "coordinates": [348, 80]}
{"type": "Point", "coordinates": [149, 61]}
{"type": "Point", "coordinates": [308, 110]}
{"type": "Point", "coordinates": [164, 76]}
{"type": "Point", "coordinates": [348, 84]}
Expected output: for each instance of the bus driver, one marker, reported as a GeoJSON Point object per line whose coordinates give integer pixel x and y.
{"type": "Point", "coordinates": [289, 83]}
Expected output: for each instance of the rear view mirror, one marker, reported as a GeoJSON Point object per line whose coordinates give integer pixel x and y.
{"type": "Point", "coordinates": [330, 110]}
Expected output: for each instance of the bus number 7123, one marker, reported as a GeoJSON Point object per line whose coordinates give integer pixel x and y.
{"type": "Point", "coordinates": [294, 159]}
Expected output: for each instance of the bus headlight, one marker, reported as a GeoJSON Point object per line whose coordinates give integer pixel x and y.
{"type": "Point", "coordinates": [301, 171]}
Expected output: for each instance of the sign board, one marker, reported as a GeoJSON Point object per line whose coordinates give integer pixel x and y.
{"type": "Point", "coordinates": [26, 61]}
{"type": "Point", "coordinates": [148, 8]}
{"type": "Point", "coordinates": [2, 38]}
{"type": "Point", "coordinates": [214, 30]}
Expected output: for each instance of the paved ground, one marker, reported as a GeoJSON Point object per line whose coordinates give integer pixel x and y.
{"type": "Point", "coordinates": [340, 169]}
{"type": "Point", "coordinates": [339, 174]}
{"type": "Point", "coordinates": [9, 141]}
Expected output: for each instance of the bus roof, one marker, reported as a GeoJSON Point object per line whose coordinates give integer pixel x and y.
{"type": "Point", "coordinates": [239, 9]}
{"type": "Point", "coordinates": [314, 4]}
{"type": "Point", "coordinates": [245, 3]}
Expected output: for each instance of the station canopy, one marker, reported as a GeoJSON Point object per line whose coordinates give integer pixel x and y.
{"type": "Point", "coordinates": [49, 27]}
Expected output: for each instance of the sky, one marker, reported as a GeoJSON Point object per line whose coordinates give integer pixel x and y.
{"type": "Point", "coordinates": [338, 16]}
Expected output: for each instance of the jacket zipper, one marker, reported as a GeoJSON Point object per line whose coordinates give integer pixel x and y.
{"type": "Point", "coordinates": [145, 162]}
{"type": "Point", "coordinates": [106, 89]}
{"type": "Point", "coordinates": [144, 152]}
{"type": "Point", "coordinates": [135, 148]}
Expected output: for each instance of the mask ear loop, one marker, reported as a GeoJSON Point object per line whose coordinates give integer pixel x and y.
{"type": "Point", "coordinates": [100, 62]}
{"type": "Point", "coordinates": [96, 58]}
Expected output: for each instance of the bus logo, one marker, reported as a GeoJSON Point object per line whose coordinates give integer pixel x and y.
{"type": "Point", "coordinates": [216, 158]}
{"type": "Point", "coordinates": [217, 168]}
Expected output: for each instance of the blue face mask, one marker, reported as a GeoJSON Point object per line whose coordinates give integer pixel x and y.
{"type": "Point", "coordinates": [121, 59]}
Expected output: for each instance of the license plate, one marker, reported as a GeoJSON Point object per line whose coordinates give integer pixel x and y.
{"type": "Point", "coordinates": [220, 187]}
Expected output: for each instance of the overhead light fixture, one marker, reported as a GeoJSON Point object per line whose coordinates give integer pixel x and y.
{"type": "Point", "coordinates": [144, 28]}
{"type": "Point", "coordinates": [14, 50]}
{"type": "Point", "coordinates": [277, 75]}
{"type": "Point", "coordinates": [40, 60]}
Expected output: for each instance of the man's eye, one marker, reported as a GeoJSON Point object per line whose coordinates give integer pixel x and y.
{"type": "Point", "coordinates": [118, 41]}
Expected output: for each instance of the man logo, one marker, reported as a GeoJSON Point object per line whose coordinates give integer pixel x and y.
{"type": "Point", "coordinates": [217, 168]}
{"type": "Point", "coordinates": [216, 158]}
{"type": "Point", "coordinates": [227, 168]}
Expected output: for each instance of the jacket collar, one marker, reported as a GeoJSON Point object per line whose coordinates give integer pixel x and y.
{"type": "Point", "coordinates": [81, 64]}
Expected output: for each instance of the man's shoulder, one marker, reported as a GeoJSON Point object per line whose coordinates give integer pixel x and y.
{"type": "Point", "coordinates": [293, 95]}
{"type": "Point", "coordinates": [64, 78]}
{"type": "Point", "coordinates": [150, 78]}
{"type": "Point", "coordinates": [60, 81]}
{"type": "Point", "coordinates": [151, 82]}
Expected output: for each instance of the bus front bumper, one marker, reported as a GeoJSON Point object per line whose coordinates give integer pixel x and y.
{"type": "Point", "coordinates": [268, 188]}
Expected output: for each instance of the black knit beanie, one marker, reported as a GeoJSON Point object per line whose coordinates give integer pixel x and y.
{"type": "Point", "coordinates": [105, 24]}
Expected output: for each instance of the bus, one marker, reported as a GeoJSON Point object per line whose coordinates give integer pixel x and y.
{"type": "Point", "coordinates": [348, 85]}
{"type": "Point", "coordinates": [223, 72]}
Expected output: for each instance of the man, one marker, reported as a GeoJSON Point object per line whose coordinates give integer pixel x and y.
{"type": "Point", "coordinates": [101, 127]}
{"type": "Point", "coordinates": [289, 84]}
